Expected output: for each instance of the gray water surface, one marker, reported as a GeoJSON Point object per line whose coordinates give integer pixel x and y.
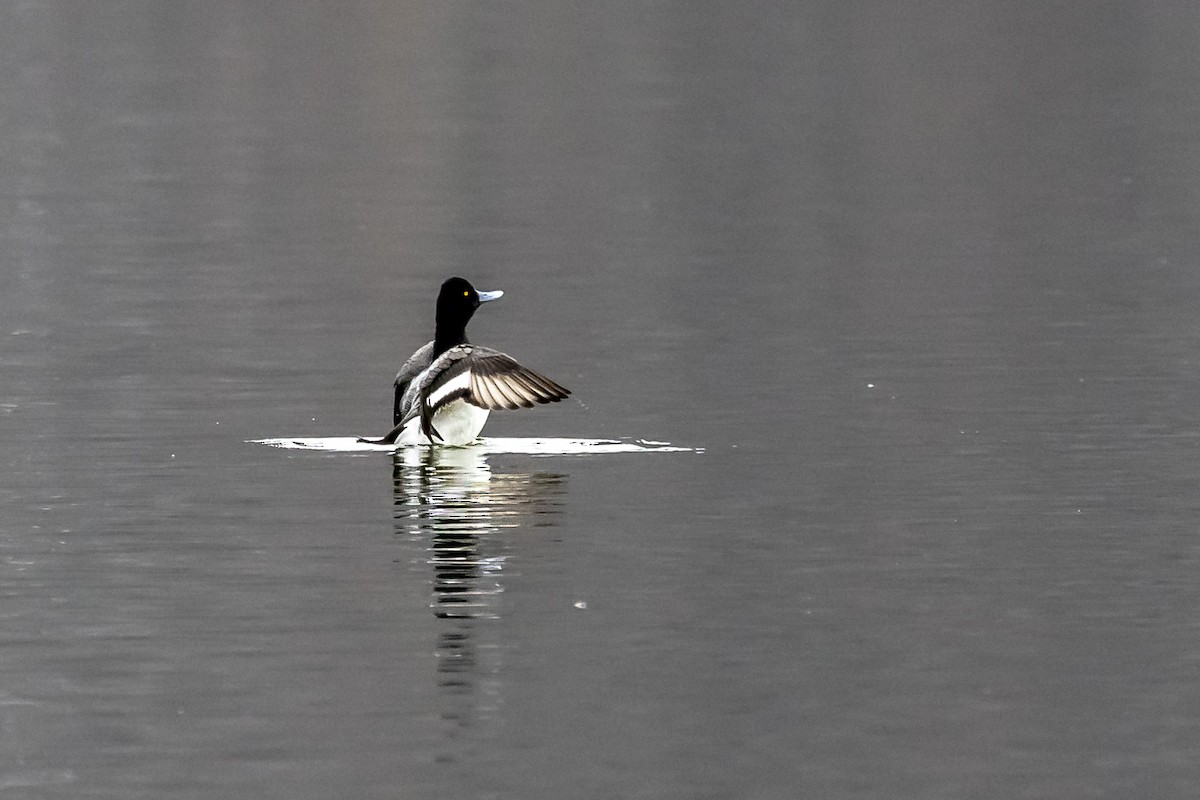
{"type": "Point", "coordinates": [921, 280]}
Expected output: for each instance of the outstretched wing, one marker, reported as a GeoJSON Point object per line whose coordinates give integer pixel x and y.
{"type": "Point", "coordinates": [498, 382]}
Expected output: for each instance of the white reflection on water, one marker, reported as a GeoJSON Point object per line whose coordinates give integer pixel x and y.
{"type": "Point", "coordinates": [462, 517]}
{"type": "Point", "coordinates": [453, 499]}
{"type": "Point", "coordinates": [485, 446]}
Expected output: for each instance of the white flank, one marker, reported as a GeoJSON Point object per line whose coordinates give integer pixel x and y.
{"type": "Point", "coordinates": [458, 423]}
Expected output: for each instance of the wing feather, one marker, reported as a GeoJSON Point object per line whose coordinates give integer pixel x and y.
{"type": "Point", "coordinates": [506, 387]}
{"type": "Point", "coordinates": [499, 382]}
{"type": "Point", "coordinates": [417, 363]}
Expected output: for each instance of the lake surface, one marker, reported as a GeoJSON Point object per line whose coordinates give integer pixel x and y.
{"type": "Point", "coordinates": [915, 288]}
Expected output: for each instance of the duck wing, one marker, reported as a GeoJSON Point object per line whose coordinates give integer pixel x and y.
{"type": "Point", "coordinates": [417, 363]}
{"type": "Point", "coordinates": [499, 382]}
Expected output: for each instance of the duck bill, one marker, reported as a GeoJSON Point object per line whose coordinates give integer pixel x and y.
{"type": "Point", "coordinates": [486, 297]}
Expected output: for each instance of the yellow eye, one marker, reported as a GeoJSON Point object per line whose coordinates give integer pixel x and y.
{"type": "Point", "coordinates": [466, 294]}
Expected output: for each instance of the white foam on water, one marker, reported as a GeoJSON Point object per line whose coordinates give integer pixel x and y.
{"type": "Point", "coordinates": [488, 445]}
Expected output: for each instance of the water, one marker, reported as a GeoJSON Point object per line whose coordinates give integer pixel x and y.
{"type": "Point", "coordinates": [914, 289]}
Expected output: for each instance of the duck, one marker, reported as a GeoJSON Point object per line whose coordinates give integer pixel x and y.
{"type": "Point", "coordinates": [445, 391]}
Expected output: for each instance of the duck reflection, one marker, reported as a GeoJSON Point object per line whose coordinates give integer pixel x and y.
{"type": "Point", "coordinates": [464, 516]}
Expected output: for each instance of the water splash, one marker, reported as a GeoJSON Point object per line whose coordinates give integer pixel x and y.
{"type": "Point", "coordinates": [490, 446]}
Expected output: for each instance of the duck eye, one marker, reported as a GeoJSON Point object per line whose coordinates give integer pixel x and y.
{"type": "Point", "coordinates": [466, 294]}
